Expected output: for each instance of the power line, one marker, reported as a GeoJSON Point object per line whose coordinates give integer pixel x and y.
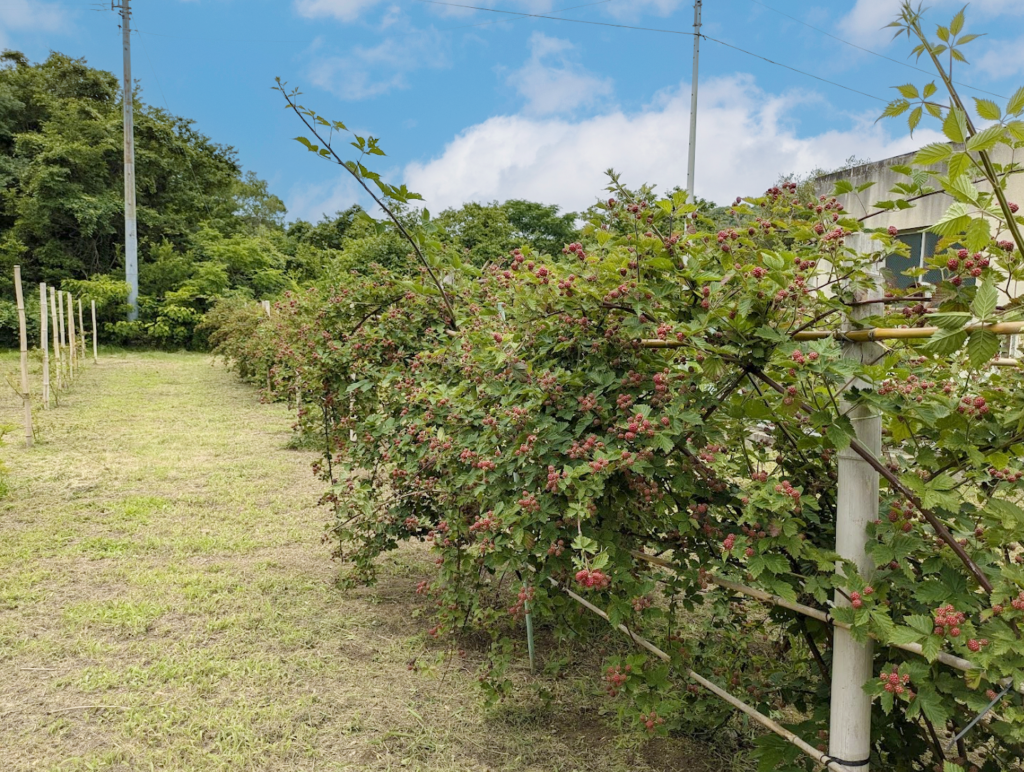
{"type": "Point", "coordinates": [663, 31]}
{"type": "Point", "coordinates": [559, 10]}
{"type": "Point", "coordinates": [868, 50]}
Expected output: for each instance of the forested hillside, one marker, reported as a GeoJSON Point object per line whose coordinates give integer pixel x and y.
{"type": "Point", "coordinates": [207, 228]}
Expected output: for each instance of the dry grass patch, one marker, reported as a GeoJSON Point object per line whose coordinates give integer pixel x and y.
{"type": "Point", "coordinates": [167, 603]}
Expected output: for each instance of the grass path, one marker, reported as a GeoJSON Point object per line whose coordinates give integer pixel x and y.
{"type": "Point", "coordinates": [166, 603]}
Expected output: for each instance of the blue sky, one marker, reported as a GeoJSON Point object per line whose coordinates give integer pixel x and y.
{"type": "Point", "coordinates": [473, 105]}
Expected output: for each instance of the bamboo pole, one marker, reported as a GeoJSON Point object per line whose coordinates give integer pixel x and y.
{"type": "Point", "coordinates": [866, 335]}
{"type": "Point", "coordinates": [95, 351]}
{"type": "Point", "coordinates": [953, 661]}
{"type": "Point", "coordinates": [72, 343]}
{"type": "Point", "coordinates": [26, 399]}
{"type": "Point", "coordinates": [44, 343]}
{"type": "Point", "coordinates": [81, 330]}
{"type": "Point", "coordinates": [66, 365]}
{"type": "Point", "coordinates": [55, 333]}
{"type": "Point", "coordinates": [817, 756]}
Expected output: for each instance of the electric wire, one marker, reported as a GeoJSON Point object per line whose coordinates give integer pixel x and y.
{"type": "Point", "coordinates": [495, 21]}
{"type": "Point", "coordinates": [662, 31]}
{"type": "Point", "coordinates": [868, 50]}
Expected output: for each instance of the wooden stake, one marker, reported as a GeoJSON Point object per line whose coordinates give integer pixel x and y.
{"type": "Point", "coordinates": [266, 308]}
{"type": "Point", "coordinates": [81, 329]}
{"type": "Point", "coordinates": [72, 342]}
{"type": "Point", "coordinates": [65, 372]}
{"type": "Point", "coordinates": [44, 343]}
{"type": "Point", "coordinates": [26, 400]}
{"type": "Point", "coordinates": [95, 354]}
{"type": "Point", "coordinates": [55, 334]}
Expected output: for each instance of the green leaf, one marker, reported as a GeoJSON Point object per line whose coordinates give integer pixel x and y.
{"type": "Point", "coordinates": [945, 342]}
{"type": "Point", "coordinates": [987, 109]}
{"type": "Point", "coordinates": [982, 346]}
{"type": "Point", "coordinates": [955, 125]}
{"type": "Point", "coordinates": [1016, 129]}
{"type": "Point", "coordinates": [985, 139]}
{"type": "Point", "coordinates": [929, 89]}
{"type": "Point", "coordinates": [837, 436]}
{"type": "Point", "coordinates": [1009, 514]}
{"type": "Point", "coordinates": [958, 164]}
{"type": "Point", "coordinates": [908, 90]}
{"type": "Point", "coordinates": [309, 145]}
{"type": "Point", "coordinates": [1015, 105]}
{"type": "Point", "coordinates": [895, 108]}
{"type": "Point", "coordinates": [950, 320]}
{"type": "Point", "coordinates": [978, 235]}
{"type": "Point", "coordinates": [913, 119]}
{"type": "Point", "coordinates": [841, 187]}
{"type": "Point", "coordinates": [985, 300]}
{"type": "Point", "coordinates": [954, 221]}
{"type": "Point", "coordinates": [933, 154]}
{"type": "Point", "coordinates": [957, 24]}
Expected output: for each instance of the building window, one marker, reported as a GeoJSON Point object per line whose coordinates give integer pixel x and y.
{"type": "Point", "coordinates": [922, 248]}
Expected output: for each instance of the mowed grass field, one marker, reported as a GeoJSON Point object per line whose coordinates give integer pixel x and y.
{"type": "Point", "coordinates": [167, 603]}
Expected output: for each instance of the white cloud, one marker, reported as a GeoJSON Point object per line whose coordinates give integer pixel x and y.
{"type": "Point", "coordinates": [551, 81]}
{"type": "Point", "coordinates": [864, 23]}
{"type": "Point", "coordinates": [313, 202]}
{"type": "Point", "coordinates": [365, 72]}
{"type": "Point", "coordinates": [343, 10]}
{"type": "Point", "coordinates": [28, 15]}
{"type": "Point", "coordinates": [744, 144]}
{"type": "Point", "coordinates": [1001, 58]}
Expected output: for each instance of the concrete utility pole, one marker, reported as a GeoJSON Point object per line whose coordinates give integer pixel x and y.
{"type": "Point", "coordinates": [131, 241]}
{"type": "Point", "coordinates": [850, 717]}
{"type": "Point", "coordinates": [693, 98]}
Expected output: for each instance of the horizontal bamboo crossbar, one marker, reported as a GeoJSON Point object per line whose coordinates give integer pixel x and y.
{"type": "Point", "coordinates": [866, 335]}
{"type": "Point", "coordinates": [951, 660]}
{"type": "Point", "coordinates": [820, 758]}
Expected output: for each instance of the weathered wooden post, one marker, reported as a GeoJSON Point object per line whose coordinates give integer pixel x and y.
{"type": "Point", "coordinates": [26, 399]}
{"type": "Point", "coordinates": [72, 343]}
{"type": "Point", "coordinates": [95, 353]}
{"type": "Point", "coordinates": [55, 332]}
{"type": "Point", "coordinates": [81, 329]}
{"type": "Point", "coordinates": [857, 506]}
{"type": "Point", "coordinates": [44, 343]}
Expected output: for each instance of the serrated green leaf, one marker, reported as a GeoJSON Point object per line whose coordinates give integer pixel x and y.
{"type": "Point", "coordinates": [985, 301]}
{"type": "Point", "coordinates": [1016, 130]}
{"type": "Point", "coordinates": [955, 125]}
{"type": "Point", "coordinates": [945, 342]}
{"type": "Point", "coordinates": [914, 119]}
{"type": "Point", "coordinates": [958, 164]}
{"type": "Point", "coordinates": [985, 139]}
{"type": "Point", "coordinates": [309, 145]}
{"type": "Point", "coordinates": [934, 153]}
{"type": "Point", "coordinates": [977, 235]}
{"type": "Point", "coordinates": [987, 109]}
{"type": "Point", "coordinates": [957, 23]}
{"type": "Point", "coordinates": [982, 346]}
{"type": "Point", "coordinates": [950, 320]}
{"type": "Point", "coordinates": [908, 90]}
{"type": "Point", "coordinates": [837, 436]}
{"type": "Point", "coordinates": [929, 89]}
{"type": "Point", "coordinates": [1015, 105]}
{"type": "Point", "coordinates": [954, 221]}
{"type": "Point", "coordinates": [895, 108]}
{"type": "Point", "coordinates": [841, 187]}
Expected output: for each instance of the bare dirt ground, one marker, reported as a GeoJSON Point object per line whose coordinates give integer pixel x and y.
{"type": "Point", "coordinates": [166, 602]}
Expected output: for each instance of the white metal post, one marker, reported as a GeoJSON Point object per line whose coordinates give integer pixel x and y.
{"type": "Point", "coordinates": [131, 244]}
{"type": "Point", "coordinates": [856, 507]}
{"type": "Point", "coordinates": [693, 100]}
{"type": "Point", "coordinates": [55, 331]}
